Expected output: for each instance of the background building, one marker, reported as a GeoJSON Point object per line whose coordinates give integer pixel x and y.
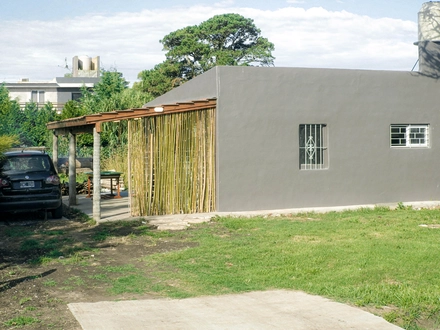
{"type": "Point", "coordinates": [85, 73]}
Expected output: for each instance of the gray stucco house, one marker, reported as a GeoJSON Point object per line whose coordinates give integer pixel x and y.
{"type": "Point", "coordinates": [297, 137]}
{"type": "Point", "coordinates": [292, 137]}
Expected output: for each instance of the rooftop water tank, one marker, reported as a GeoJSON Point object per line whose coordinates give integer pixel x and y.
{"type": "Point", "coordinates": [429, 21]}
{"type": "Point", "coordinates": [85, 62]}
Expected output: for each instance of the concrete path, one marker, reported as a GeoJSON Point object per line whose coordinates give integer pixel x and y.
{"type": "Point", "coordinates": [278, 309]}
{"type": "Point", "coordinates": [113, 209]}
{"type": "Point", "coordinates": [118, 209]}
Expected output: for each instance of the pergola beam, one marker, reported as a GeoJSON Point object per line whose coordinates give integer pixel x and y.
{"type": "Point", "coordinates": [74, 130]}
{"type": "Point", "coordinates": [85, 124]}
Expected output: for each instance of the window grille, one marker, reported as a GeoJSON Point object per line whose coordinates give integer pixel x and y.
{"type": "Point", "coordinates": [313, 153]}
{"type": "Point", "coordinates": [409, 136]}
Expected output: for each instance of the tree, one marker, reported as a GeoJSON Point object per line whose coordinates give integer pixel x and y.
{"type": "Point", "coordinates": [109, 94]}
{"type": "Point", "coordinates": [228, 39]}
{"type": "Point", "coordinates": [5, 101]}
{"type": "Point", "coordinates": [33, 131]}
{"type": "Point", "coordinates": [27, 125]}
{"type": "Point", "coordinates": [235, 40]}
{"type": "Point", "coordinates": [111, 82]}
{"type": "Point", "coordinates": [71, 109]}
{"type": "Point", "coordinates": [43, 137]}
{"type": "Point", "coordinates": [6, 142]}
{"type": "Point", "coordinates": [11, 115]}
{"type": "Point", "coordinates": [161, 79]}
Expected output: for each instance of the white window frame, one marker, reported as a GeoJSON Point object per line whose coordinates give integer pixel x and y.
{"type": "Point", "coordinates": [313, 147]}
{"type": "Point", "coordinates": [409, 136]}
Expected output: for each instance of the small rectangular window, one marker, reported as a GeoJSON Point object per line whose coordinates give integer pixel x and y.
{"type": "Point", "coordinates": [40, 97]}
{"type": "Point", "coordinates": [409, 135]}
{"type": "Point", "coordinates": [37, 96]}
{"type": "Point", "coordinates": [313, 153]}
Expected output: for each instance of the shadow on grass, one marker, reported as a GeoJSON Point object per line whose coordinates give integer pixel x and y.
{"type": "Point", "coordinates": [33, 241]}
{"type": "Point", "coordinates": [6, 285]}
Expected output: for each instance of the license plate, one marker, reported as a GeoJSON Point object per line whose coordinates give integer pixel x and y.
{"type": "Point", "coordinates": [27, 184]}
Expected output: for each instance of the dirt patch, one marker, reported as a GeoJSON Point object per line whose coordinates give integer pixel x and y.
{"type": "Point", "coordinates": [46, 264]}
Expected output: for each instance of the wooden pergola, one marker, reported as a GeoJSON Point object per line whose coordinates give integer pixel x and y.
{"type": "Point", "coordinates": [92, 124]}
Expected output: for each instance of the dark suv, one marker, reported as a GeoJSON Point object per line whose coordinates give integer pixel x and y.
{"type": "Point", "coordinates": [29, 182]}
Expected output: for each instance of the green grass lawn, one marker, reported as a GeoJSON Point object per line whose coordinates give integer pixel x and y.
{"type": "Point", "coordinates": [376, 258]}
{"type": "Point", "coordinates": [386, 261]}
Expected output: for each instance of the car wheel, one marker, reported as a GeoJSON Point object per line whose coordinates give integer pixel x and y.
{"type": "Point", "coordinates": [58, 212]}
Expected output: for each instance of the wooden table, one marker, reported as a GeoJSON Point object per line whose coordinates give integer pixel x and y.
{"type": "Point", "coordinates": [105, 175]}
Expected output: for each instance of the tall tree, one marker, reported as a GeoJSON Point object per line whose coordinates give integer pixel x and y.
{"type": "Point", "coordinates": [228, 39]}
{"type": "Point", "coordinates": [164, 77]}
{"type": "Point", "coordinates": [235, 40]}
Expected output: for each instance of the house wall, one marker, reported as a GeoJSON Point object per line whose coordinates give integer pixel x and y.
{"type": "Point", "coordinates": [58, 92]}
{"type": "Point", "coordinates": [23, 93]}
{"type": "Point", "coordinates": [259, 111]}
{"type": "Point", "coordinates": [65, 94]}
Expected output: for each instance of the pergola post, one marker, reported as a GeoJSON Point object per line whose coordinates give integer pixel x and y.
{"type": "Point", "coordinates": [96, 173]}
{"type": "Point", "coordinates": [72, 169]}
{"type": "Point", "coordinates": [55, 150]}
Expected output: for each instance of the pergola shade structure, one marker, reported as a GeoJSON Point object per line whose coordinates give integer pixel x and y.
{"type": "Point", "coordinates": [171, 156]}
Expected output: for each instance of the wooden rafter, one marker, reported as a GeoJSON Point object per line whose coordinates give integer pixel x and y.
{"type": "Point", "coordinates": [85, 123]}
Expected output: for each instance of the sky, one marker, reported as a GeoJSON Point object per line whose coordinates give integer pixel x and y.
{"type": "Point", "coordinates": [38, 38]}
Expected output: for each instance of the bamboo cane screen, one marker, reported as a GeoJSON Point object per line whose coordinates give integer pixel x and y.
{"type": "Point", "coordinates": [172, 163]}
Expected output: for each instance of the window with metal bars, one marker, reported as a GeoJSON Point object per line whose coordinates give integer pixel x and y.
{"type": "Point", "coordinates": [313, 152]}
{"type": "Point", "coordinates": [409, 136]}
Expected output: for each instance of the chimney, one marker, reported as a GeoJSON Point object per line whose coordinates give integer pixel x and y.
{"type": "Point", "coordinates": [429, 39]}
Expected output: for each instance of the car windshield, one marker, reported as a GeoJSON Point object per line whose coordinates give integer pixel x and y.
{"type": "Point", "coordinates": [25, 163]}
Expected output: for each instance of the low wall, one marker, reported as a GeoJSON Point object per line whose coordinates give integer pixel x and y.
{"type": "Point", "coordinates": [83, 164]}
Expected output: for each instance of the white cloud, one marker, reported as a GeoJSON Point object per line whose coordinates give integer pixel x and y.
{"type": "Point", "coordinates": [130, 41]}
{"type": "Point", "coordinates": [320, 38]}
{"type": "Point", "coordinates": [225, 3]}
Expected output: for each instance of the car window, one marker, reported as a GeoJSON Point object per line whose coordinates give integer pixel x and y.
{"type": "Point", "coordinates": [13, 164]}
{"type": "Point", "coordinates": [26, 163]}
